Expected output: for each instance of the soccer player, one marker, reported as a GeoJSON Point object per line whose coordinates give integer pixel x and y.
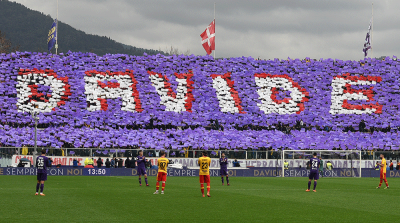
{"type": "Point", "coordinates": [383, 172]}
{"type": "Point", "coordinates": [204, 173]}
{"type": "Point", "coordinates": [314, 166]}
{"type": "Point", "coordinates": [141, 164]}
{"type": "Point", "coordinates": [162, 172]}
{"type": "Point", "coordinates": [223, 162]}
{"type": "Point", "coordinates": [42, 162]}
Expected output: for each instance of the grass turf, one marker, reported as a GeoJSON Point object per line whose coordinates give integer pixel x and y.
{"type": "Point", "coordinates": [248, 199]}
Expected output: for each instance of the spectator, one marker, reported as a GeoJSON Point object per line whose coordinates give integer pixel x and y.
{"type": "Point", "coordinates": [20, 164]}
{"type": "Point", "coordinates": [271, 154]}
{"type": "Point", "coordinates": [24, 150]}
{"type": "Point", "coordinates": [116, 162]}
{"type": "Point", "coordinates": [99, 163]}
{"type": "Point", "coordinates": [120, 163]}
{"type": "Point", "coordinates": [327, 128]}
{"type": "Point", "coordinates": [75, 163]}
{"type": "Point", "coordinates": [127, 163]}
{"type": "Point", "coordinates": [113, 163]}
{"type": "Point", "coordinates": [108, 163]}
{"type": "Point", "coordinates": [361, 126]}
{"type": "Point", "coordinates": [349, 129]}
{"type": "Point", "coordinates": [370, 152]}
{"type": "Point", "coordinates": [372, 129]}
{"type": "Point", "coordinates": [236, 163]}
{"type": "Point", "coordinates": [321, 167]}
{"type": "Point", "coordinates": [148, 164]}
{"type": "Point", "coordinates": [279, 127]}
{"type": "Point", "coordinates": [391, 165]}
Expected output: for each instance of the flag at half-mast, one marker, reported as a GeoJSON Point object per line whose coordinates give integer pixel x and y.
{"type": "Point", "coordinates": [51, 38]}
{"type": "Point", "coordinates": [208, 38]}
{"type": "Point", "coordinates": [367, 44]}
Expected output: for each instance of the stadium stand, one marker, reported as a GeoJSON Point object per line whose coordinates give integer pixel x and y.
{"type": "Point", "coordinates": [175, 102]}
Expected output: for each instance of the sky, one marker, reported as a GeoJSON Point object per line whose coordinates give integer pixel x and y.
{"type": "Point", "coordinates": [264, 29]}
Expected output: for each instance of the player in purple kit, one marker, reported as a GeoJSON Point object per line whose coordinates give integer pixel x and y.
{"type": "Point", "coordinates": [42, 162]}
{"type": "Point", "coordinates": [223, 162]}
{"type": "Point", "coordinates": [314, 167]}
{"type": "Point", "coordinates": [141, 168]}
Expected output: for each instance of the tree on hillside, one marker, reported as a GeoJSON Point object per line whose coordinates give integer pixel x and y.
{"type": "Point", "coordinates": [5, 45]}
{"type": "Point", "coordinates": [28, 29]}
{"type": "Point", "coordinates": [175, 51]}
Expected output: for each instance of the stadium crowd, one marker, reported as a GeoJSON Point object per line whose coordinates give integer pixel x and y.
{"type": "Point", "coordinates": [201, 122]}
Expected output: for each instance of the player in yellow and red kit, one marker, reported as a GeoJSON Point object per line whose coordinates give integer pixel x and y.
{"type": "Point", "coordinates": [204, 173]}
{"type": "Point", "coordinates": [162, 172]}
{"type": "Point", "coordinates": [383, 172]}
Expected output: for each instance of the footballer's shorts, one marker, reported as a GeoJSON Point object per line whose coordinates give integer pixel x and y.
{"type": "Point", "coordinates": [383, 176]}
{"type": "Point", "coordinates": [42, 176]}
{"type": "Point", "coordinates": [204, 179]}
{"type": "Point", "coordinates": [314, 175]}
{"type": "Point", "coordinates": [161, 176]}
{"type": "Point", "coordinates": [223, 172]}
{"type": "Point", "coordinates": [141, 171]}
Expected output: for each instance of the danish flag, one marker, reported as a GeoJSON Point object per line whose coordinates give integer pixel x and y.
{"type": "Point", "coordinates": [208, 38]}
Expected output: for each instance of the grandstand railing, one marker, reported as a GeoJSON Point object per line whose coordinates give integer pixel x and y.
{"type": "Point", "coordinates": [7, 152]}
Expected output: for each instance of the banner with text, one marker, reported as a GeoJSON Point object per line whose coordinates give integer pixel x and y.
{"type": "Point", "coordinates": [249, 172]}
{"type": "Point", "coordinates": [192, 162]}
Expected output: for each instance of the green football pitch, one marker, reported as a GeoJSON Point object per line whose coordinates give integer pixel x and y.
{"type": "Point", "coordinates": [247, 199]}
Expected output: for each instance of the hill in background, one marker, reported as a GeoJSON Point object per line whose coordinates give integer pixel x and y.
{"type": "Point", "coordinates": [28, 29]}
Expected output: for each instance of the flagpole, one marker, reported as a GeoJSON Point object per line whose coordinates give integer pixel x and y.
{"type": "Point", "coordinates": [214, 29]}
{"type": "Point", "coordinates": [372, 31]}
{"type": "Point", "coordinates": [57, 30]}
